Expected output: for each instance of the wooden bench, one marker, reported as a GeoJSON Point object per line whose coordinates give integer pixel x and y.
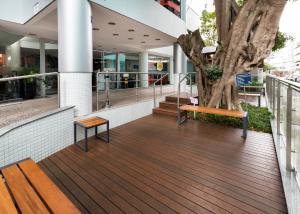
{"type": "Point", "coordinates": [188, 108]}
{"type": "Point", "coordinates": [92, 122]}
{"type": "Point", "coordinates": [252, 95]}
{"type": "Point", "coordinates": [25, 188]}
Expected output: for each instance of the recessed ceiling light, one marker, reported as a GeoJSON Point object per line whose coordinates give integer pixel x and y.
{"type": "Point", "coordinates": [130, 38]}
{"type": "Point", "coordinates": [146, 35]}
{"type": "Point", "coordinates": [157, 39]}
{"type": "Point", "coordinates": [96, 29]}
{"type": "Point", "coordinates": [111, 23]}
{"type": "Point", "coordinates": [115, 34]}
{"type": "Point", "coordinates": [131, 30]}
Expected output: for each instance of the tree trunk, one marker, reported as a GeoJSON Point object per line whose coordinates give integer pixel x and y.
{"type": "Point", "coordinates": [243, 44]}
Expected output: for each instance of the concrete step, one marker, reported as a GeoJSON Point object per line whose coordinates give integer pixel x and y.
{"type": "Point", "coordinates": [163, 111]}
{"type": "Point", "coordinates": [173, 99]}
{"type": "Point", "coordinates": [168, 105]}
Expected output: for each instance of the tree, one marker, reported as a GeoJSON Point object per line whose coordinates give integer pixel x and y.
{"type": "Point", "coordinates": [209, 28]}
{"type": "Point", "coordinates": [246, 36]}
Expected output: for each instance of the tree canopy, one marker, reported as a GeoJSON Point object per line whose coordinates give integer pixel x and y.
{"type": "Point", "coordinates": [246, 32]}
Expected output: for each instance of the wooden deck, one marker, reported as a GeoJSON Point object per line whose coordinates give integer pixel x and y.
{"type": "Point", "coordinates": [154, 166]}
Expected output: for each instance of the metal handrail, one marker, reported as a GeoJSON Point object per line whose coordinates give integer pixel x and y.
{"type": "Point", "coordinates": [7, 79]}
{"type": "Point", "coordinates": [154, 86]}
{"type": "Point", "coordinates": [27, 76]}
{"type": "Point", "coordinates": [107, 82]}
{"type": "Point", "coordinates": [287, 83]}
{"type": "Point", "coordinates": [179, 86]}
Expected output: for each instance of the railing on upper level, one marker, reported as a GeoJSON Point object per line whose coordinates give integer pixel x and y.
{"type": "Point", "coordinates": [14, 90]}
{"type": "Point", "coordinates": [129, 85]}
{"type": "Point", "coordinates": [283, 98]}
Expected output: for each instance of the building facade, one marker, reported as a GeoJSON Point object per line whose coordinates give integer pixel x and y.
{"type": "Point", "coordinates": [78, 38]}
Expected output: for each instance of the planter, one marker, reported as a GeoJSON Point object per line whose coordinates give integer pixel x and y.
{"type": "Point", "coordinates": [28, 89]}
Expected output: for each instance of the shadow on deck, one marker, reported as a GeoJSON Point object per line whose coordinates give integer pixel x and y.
{"type": "Point", "coordinates": [154, 166]}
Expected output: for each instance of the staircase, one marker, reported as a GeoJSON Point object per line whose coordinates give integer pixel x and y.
{"type": "Point", "coordinates": [169, 106]}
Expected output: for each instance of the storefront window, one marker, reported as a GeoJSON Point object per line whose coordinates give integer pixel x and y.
{"type": "Point", "coordinates": [158, 66]}
{"type": "Point", "coordinates": [171, 5]}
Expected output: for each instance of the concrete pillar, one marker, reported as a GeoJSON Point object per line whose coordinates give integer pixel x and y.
{"type": "Point", "coordinates": [75, 54]}
{"type": "Point", "coordinates": [183, 8]}
{"type": "Point", "coordinates": [118, 66]}
{"type": "Point", "coordinates": [180, 66]}
{"type": "Point", "coordinates": [42, 67]}
{"type": "Point", "coordinates": [171, 71]}
{"type": "Point", "coordinates": [14, 56]}
{"type": "Point", "coordinates": [143, 68]}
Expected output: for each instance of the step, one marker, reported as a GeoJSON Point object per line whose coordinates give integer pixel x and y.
{"type": "Point", "coordinates": [182, 100]}
{"type": "Point", "coordinates": [168, 105]}
{"type": "Point", "coordinates": [165, 111]}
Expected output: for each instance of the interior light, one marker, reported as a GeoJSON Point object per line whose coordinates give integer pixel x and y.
{"type": "Point", "coordinates": [9, 58]}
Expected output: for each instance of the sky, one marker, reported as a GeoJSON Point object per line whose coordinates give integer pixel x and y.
{"type": "Point", "coordinates": [289, 20]}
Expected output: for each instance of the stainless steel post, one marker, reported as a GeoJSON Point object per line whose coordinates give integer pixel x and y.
{"type": "Point", "coordinates": [58, 90]}
{"type": "Point", "coordinates": [278, 107]}
{"type": "Point", "coordinates": [191, 88]}
{"type": "Point", "coordinates": [273, 96]}
{"type": "Point", "coordinates": [154, 95]}
{"type": "Point", "coordinates": [97, 95]}
{"type": "Point", "coordinates": [161, 77]}
{"type": "Point", "coordinates": [107, 85]}
{"type": "Point", "coordinates": [289, 105]}
{"type": "Point", "coordinates": [136, 86]}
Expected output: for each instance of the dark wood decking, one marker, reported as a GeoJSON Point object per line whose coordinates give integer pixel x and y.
{"type": "Point", "coordinates": [154, 166]}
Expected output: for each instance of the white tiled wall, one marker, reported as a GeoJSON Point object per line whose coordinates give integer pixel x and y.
{"type": "Point", "coordinates": [38, 138]}
{"type": "Point", "coordinates": [120, 115]}
{"type": "Point", "coordinates": [76, 90]}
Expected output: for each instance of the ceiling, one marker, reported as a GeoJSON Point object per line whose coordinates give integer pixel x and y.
{"type": "Point", "coordinates": [44, 25]}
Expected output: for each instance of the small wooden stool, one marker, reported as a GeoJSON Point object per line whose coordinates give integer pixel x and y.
{"type": "Point", "coordinates": [91, 123]}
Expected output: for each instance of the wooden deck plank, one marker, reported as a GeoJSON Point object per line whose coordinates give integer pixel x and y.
{"type": "Point", "coordinates": [177, 165]}
{"type": "Point", "coordinates": [198, 167]}
{"type": "Point", "coordinates": [51, 194]}
{"type": "Point", "coordinates": [78, 163]}
{"type": "Point", "coordinates": [109, 195]}
{"type": "Point", "coordinates": [6, 203]}
{"type": "Point", "coordinates": [64, 189]}
{"type": "Point", "coordinates": [25, 196]}
{"type": "Point", "coordinates": [75, 189]}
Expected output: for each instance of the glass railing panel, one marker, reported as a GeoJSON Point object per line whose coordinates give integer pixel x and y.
{"type": "Point", "coordinates": [22, 97]}
{"type": "Point", "coordinates": [283, 102]}
{"type": "Point", "coordinates": [296, 131]}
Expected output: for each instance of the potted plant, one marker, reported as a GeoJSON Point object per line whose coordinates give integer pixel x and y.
{"type": "Point", "coordinates": [28, 86]}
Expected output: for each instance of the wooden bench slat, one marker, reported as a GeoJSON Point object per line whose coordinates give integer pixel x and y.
{"type": "Point", "coordinates": [207, 110]}
{"type": "Point", "coordinates": [250, 95]}
{"type": "Point", "coordinates": [91, 122]}
{"type": "Point", "coordinates": [51, 194]}
{"type": "Point", "coordinates": [6, 203]}
{"type": "Point", "coordinates": [26, 198]}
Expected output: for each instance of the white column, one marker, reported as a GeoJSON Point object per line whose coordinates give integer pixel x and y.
{"type": "Point", "coordinates": [180, 66]}
{"type": "Point", "coordinates": [118, 66]}
{"type": "Point", "coordinates": [42, 67]}
{"type": "Point", "coordinates": [183, 8]}
{"type": "Point", "coordinates": [143, 68]}
{"type": "Point", "coordinates": [14, 56]}
{"type": "Point", "coordinates": [171, 71]}
{"type": "Point", "coordinates": [75, 54]}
